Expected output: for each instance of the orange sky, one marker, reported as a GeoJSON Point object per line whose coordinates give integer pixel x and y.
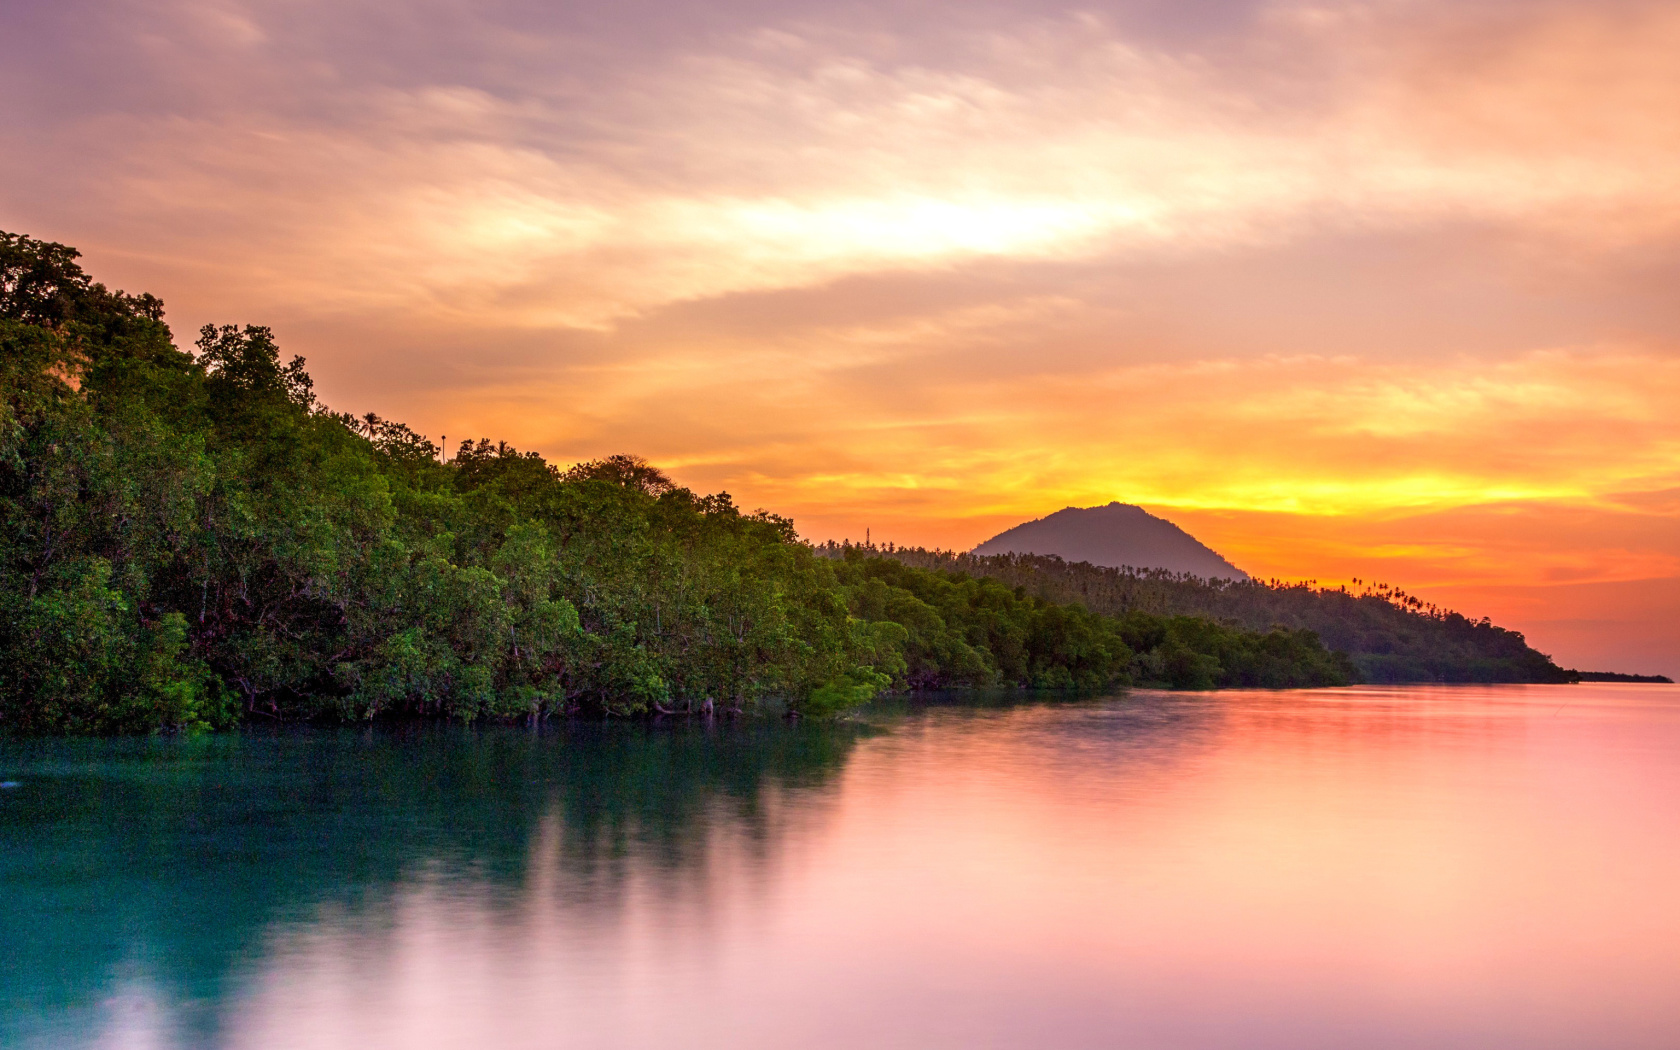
{"type": "Point", "coordinates": [1380, 289]}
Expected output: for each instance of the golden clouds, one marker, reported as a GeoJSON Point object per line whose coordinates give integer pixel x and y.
{"type": "Point", "coordinates": [1323, 437]}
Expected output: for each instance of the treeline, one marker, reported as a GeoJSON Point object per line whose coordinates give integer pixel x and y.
{"type": "Point", "coordinates": [1388, 635]}
{"type": "Point", "coordinates": [963, 630]}
{"type": "Point", "coordinates": [1613, 676]}
{"type": "Point", "coordinates": [188, 540]}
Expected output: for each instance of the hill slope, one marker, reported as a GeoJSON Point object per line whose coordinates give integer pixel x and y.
{"type": "Point", "coordinates": [1116, 536]}
{"type": "Point", "coordinates": [1390, 636]}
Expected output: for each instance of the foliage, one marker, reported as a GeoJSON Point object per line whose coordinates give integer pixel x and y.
{"type": "Point", "coordinates": [1389, 635]}
{"type": "Point", "coordinates": [191, 539]}
{"type": "Point", "coordinates": [963, 630]}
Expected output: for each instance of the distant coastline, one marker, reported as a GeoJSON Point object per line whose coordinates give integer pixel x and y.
{"type": "Point", "coordinates": [1389, 635]}
{"type": "Point", "coordinates": [1614, 676]}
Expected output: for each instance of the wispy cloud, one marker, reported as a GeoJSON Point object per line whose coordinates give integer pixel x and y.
{"type": "Point", "coordinates": [785, 158]}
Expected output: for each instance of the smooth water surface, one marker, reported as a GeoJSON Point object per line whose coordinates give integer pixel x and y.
{"type": "Point", "coordinates": [1434, 867]}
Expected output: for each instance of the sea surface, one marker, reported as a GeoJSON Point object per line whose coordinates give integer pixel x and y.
{"type": "Point", "coordinates": [1422, 867]}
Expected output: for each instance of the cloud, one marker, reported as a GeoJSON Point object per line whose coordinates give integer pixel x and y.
{"type": "Point", "coordinates": [905, 436]}
{"type": "Point", "coordinates": [788, 157]}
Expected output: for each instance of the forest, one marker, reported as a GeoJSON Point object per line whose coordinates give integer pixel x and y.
{"type": "Point", "coordinates": [190, 540]}
{"type": "Point", "coordinates": [1389, 636]}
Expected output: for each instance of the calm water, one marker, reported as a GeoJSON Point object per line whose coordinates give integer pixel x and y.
{"type": "Point", "coordinates": [1442, 867]}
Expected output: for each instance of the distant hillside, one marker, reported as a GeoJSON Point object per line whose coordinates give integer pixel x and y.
{"type": "Point", "coordinates": [1390, 636]}
{"type": "Point", "coordinates": [1616, 676]}
{"type": "Point", "coordinates": [1117, 536]}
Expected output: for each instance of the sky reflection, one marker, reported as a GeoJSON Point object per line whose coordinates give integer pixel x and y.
{"type": "Point", "coordinates": [1453, 867]}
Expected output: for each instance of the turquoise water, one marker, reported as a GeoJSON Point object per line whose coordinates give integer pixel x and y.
{"type": "Point", "coordinates": [1436, 867]}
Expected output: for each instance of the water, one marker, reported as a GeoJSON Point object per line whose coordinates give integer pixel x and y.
{"type": "Point", "coordinates": [1437, 867]}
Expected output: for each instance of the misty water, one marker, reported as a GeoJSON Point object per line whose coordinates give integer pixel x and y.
{"type": "Point", "coordinates": [1431, 867]}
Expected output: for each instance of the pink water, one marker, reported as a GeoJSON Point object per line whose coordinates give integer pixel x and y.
{"type": "Point", "coordinates": [1421, 867]}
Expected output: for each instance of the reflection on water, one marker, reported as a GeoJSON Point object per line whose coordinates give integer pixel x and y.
{"type": "Point", "coordinates": [147, 882]}
{"type": "Point", "coordinates": [1444, 867]}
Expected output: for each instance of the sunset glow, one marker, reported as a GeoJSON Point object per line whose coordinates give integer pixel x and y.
{"type": "Point", "coordinates": [1379, 290]}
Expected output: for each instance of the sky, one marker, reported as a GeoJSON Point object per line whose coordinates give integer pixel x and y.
{"type": "Point", "coordinates": [1380, 290]}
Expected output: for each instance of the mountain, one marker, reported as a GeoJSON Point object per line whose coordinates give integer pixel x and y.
{"type": "Point", "coordinates": [1116, 536]}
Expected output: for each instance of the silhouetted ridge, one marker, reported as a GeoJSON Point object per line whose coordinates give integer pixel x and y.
{"type": "Point", "coordinates": [1391, 636]}
{"type": "Point", "coordinates": [1617, 676]}
{"type": "Point", "coordinates": [1117, 536]}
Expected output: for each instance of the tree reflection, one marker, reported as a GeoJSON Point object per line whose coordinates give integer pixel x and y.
{"type": "Point", "coordinates": [173, 859]}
